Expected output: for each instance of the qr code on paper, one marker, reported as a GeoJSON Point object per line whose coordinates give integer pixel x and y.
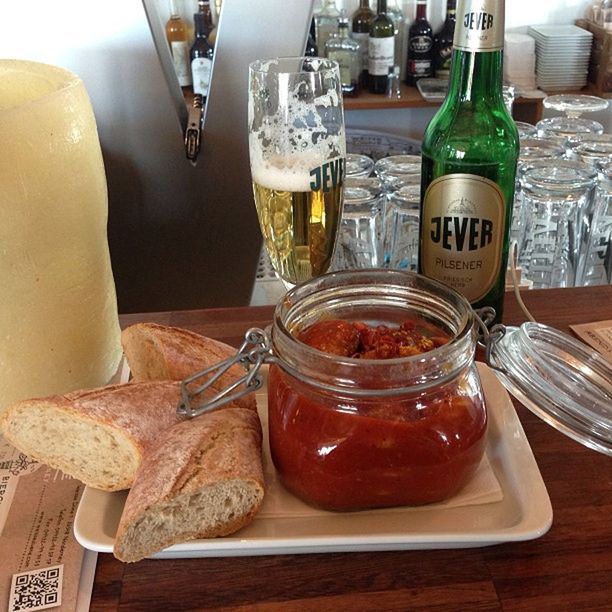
{"type": "Point", "coordinates": [37, 589]}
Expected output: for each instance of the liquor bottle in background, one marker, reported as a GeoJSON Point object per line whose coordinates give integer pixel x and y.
{"type": "Point", "coordinates": [326, 23]}
{"type": "Point", "coordinates": [470, 149]}
{"type": "Point", "coordinates": [344, 50]}
{"type": "Point", "coordinates": [381, 50]}
{"type": "Point", "coordinates": [420, 46]}
{"type": "Point", "coordinates": [177, 35]}
{"type": "Point", "coordinates": [360, 31]}
{"type": "Point", "coordinates": [311, 43]}
{"type": "Point", "coordinates": [397, 17]}
{"type": "Point", "coordinates": [443, 42]}
{"type": "Point", "coordinates": [201, 57]}
{"type": "Point", "coordinates": [204, 9]}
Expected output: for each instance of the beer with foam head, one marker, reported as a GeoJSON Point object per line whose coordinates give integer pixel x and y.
{"type": "Point", "coordinates": [299, 215]}
{"type": "Point", "coordinates": [297, 152]}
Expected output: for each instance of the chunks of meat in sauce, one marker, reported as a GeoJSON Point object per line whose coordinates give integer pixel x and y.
{"type": "Point", "coordinates": [360, 340]}
{"type": "Point", "coordinates": [332, 336]}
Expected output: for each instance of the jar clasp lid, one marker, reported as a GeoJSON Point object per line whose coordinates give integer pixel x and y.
{"type": "Point", "coordinates": [489, 335]}
{"type": "Point", "coordinates": [252, 354]}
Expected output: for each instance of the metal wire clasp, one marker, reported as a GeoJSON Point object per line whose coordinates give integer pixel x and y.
{"type": "Point", "coordinates": [489, 334]}
{"type": "Point", "coordinates": [252, 354]}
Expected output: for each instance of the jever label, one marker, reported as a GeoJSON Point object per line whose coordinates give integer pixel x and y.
{"type": "Point", "coordinates": [480, 26]}
{"type": "Point", "coordinates": [463, 230]}
{"type": "Point", "coordinates": [328, 176]}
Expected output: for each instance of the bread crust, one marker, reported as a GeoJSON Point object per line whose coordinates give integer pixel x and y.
{"type": "Point", "coordinates": [211, 450]}
{"type": "Point", "coordinates": [134, 412]}
{"type": "Point", "coordinates": [160, 352]}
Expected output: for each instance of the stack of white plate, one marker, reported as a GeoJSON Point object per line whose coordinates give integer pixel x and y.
{"type": "Point", "coordinates": [562, 56]}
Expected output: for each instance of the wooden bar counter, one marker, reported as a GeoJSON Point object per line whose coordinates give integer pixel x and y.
{"type": "Point", "coordinates": [569, 568]}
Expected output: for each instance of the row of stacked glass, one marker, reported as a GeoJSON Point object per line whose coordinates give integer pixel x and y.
{"type": "Point", "coordinates": [562, 217]}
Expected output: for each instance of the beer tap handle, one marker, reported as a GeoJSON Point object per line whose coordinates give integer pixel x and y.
{"type": "Point", "coordinates": [193, 131]}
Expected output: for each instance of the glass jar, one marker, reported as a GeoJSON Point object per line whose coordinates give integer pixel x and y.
{"type": "Point", "coordinates": [348, 433]}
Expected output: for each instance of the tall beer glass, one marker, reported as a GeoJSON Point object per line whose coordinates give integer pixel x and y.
{"type": "Point", "coordinates": [297, 150]}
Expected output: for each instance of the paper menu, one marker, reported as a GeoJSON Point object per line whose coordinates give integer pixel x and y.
{"type": "Point", "coordinates": [598, 335]}
{"type": "Point", "coordinates": [41, 560]}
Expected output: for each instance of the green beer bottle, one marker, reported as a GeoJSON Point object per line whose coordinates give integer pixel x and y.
{"type": "Point", "coordinates": [470, 150]}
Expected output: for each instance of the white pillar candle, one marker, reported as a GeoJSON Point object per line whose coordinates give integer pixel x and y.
{"type": "Point", "coordinates": [59, 328]}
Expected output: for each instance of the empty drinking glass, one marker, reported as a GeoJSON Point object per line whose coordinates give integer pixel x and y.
{"type": "Point", "coordinates": [401, 244]}
{"type": "Point", "coordinates": [574, 105]}
{"type": "Point", "coordinates": [358, 166]}
{"type": "Point", "coordinates": [361, 227]}
{"type": "Point", "coordinates": [596, 268]}
{"type": "Point", "coordinates": [531, 150]}
{"type": "Point", "coordinates": [526, 130]}
{"type": "Point", "coordinates": [540, 148]}
{"type": "Point", "coordinates": [567, 127]}
{"type": "Point", "coordinates": [395, 168]}
{"type": "Point", "coordinates": [557, 196]}
{"type": "Point", "coordinates": [592, 149]}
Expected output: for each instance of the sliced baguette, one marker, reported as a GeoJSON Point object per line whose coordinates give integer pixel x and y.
{"type": "Point", "coordinates": [97, 436]}
{"type": "Point", "coordinates": [159, 352]}
{"type": "Point", "coordinates": [202, 479]}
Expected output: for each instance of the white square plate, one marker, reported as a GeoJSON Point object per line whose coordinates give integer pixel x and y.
{"type": "Point", "coordinates": [559, 31]}
{"type": "Point", "coordinates": [523, 513]}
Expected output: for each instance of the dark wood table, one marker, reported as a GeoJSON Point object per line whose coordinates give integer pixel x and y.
{"type": "Point", "coordinates": [569, 568]}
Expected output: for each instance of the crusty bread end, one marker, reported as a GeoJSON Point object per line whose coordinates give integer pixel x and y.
{"type": "Point", "coordinates": [202, 479]}
{"type": "Point", "coordinates": [160, 352]}
{"type": "Point", "coordinates": [97, 436]}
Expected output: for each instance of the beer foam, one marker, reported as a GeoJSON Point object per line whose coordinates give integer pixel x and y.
{"type": "Point", "coordinates": [285, 149]}
{"type": "Point", "coordinates": [285, 173]}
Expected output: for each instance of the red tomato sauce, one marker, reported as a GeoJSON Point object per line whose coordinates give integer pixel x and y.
{"type": "Point", "coordinates": [350, 454]}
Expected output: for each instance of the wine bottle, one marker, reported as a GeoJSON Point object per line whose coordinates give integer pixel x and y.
{"type": "Point", "coordinates": [360, 31]}
{"type": "Point", "coordinates": [381, 49]}
{"type": "Point", "coordinates": [177, 35]}
{"type": "Point", "coordinates": [204, 9]}
{"type": "Point", "coordinates": [420, 46]}
{"type": "Point", "coordinates": [443, 42]}
{"type": "Point", "coordinates": [469, 151]}
{"type": "Point", "coordinates": [201, 57]}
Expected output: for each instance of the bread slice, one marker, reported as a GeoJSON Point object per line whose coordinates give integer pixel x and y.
{"type": "Point", "coordinates": [97, 436]}
{"type": "Point", "coordinates": [202, 479]}
{"type": "Point", "coordinates": [159, 352]}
